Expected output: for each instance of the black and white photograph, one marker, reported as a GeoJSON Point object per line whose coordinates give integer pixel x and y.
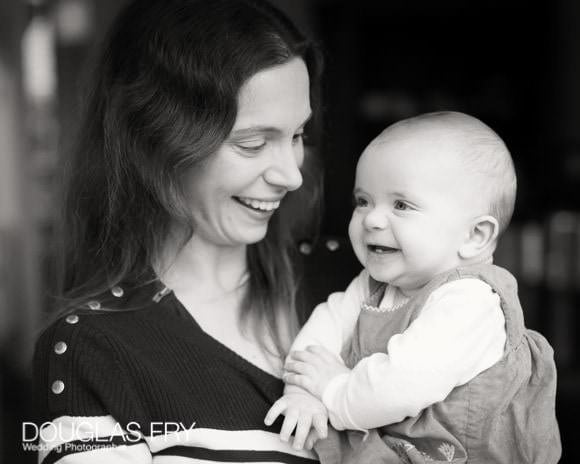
{"type": "Point", "coordinates": [289, 231]}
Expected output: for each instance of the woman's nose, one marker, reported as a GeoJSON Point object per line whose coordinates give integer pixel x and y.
{"type": "Point", "coordinates": [284, 170]}
{"type": "Point", "coordinates": [376, 219]}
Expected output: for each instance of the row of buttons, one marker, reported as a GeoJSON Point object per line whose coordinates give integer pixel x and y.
{"type": "Point", "coordinates": [60, 347]}
{"type": "Point", "coordinates": [116, 291]}
{"type": "Point", "coordinates": [306, 248]}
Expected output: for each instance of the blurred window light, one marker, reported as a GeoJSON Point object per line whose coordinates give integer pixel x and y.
{"type": "Point", "coordinates": [73, 21]}
{"type": "Point", "coordinates": [380, 106]}
{"type": "Point", "coordinates": [9, 149]}
{"type": "Point", "coordinates": [562, 227]}
{"type": "Point", "coordinates": [39, 60]}
{"type": "Point", "coordinates": [532, 252]}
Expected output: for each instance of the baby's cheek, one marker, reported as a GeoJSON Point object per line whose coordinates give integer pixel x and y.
{"type": "Point", "coordinates": [355, 235]}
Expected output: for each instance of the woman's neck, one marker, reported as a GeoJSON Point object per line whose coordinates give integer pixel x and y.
{"type": "Point", "coordinates": [208, 280]}
{"type": "Point", "coordinates": [209, 269]}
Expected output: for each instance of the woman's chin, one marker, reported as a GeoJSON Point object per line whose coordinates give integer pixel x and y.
{"type": "Point", "coordinates": [249, 236]}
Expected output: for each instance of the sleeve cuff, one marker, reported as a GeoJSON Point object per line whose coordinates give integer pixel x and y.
{"type": "Point", "coordinates": [334, 398]}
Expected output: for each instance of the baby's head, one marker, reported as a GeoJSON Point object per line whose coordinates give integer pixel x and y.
{"type": "Point", "coordinates": [432, 193]}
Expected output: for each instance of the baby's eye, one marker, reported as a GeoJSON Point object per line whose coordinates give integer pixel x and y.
{"type": "Point", "coordinates": [359, 202]}
{"type": "Point", "coordinates": [400, 205]}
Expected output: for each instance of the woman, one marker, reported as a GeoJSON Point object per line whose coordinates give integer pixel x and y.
{"type": "Point", "coordinates": [178, 283]}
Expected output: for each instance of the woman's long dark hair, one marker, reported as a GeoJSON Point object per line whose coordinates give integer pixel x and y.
{"type": "Point", "coordinates": [163, 98]}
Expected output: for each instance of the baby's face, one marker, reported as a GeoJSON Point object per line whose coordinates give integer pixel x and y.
{"type": "Point", "coordinates": [414, 206]}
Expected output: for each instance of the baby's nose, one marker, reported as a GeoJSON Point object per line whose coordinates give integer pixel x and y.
{"type": "Point", "coordinates": [376, 219]}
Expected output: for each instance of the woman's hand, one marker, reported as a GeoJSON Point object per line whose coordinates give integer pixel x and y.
{"type": "Point", "coordinates": [313, 369]}
{"type": "Point", "coordinates": [302, 412]}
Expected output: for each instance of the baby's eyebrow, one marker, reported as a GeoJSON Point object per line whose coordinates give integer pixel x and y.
{"type": "Point", "coordinates": [400, 194]}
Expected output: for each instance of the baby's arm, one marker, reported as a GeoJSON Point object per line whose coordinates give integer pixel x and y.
{"type": "Point", "coordinates": [459, 333]}
{"type": "Point", "coordinates": [330, 325]}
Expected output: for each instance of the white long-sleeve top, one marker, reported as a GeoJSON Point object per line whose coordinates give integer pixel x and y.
{"type": "Point", "coordinates": [459, 333]}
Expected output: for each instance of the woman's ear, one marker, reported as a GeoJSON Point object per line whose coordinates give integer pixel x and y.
{"type": "Point", "coordinates": [482, 237]}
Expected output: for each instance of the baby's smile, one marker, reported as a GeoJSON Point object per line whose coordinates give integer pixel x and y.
{"type": "Point", "coordinates": [380, 249]}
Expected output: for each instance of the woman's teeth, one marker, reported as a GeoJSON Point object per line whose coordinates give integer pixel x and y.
{"type": "Point", "coordinates": [259, 204]}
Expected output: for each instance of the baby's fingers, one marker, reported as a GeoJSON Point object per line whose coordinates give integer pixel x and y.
{"type": "Point", "coordinates": [304, 356]}
{"type": "Point", "coordinates": [299, 380]}
{"type": "Point", "coordinates": [289, 424]}
{"type": "Point", "coordinates": [299, 367]}
{"type": "Point", "coordinates": [311, 439]}
{"type": "Point", "coordinates": [322, 353]}
{"type": "Point", "coordinates": [302, 429]}
{"type": "Point", "coordinates": [320, 423]}
{"type": "Point", "coordinates": [277, 408]}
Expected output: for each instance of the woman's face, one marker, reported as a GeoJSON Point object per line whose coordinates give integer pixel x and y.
{"type": "Point", "coordinates": [236, 191]}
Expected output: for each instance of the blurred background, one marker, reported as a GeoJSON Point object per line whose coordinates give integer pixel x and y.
{"type": "Point", "coordinates": [514, 65]}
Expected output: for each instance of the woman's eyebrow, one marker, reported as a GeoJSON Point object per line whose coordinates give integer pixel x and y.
{"type": "Point", "coordinates": [263, 129]}
{"type": "Point", "coordinates": [256, 129]}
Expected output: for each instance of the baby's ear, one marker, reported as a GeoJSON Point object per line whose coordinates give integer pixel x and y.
{"type": "Point", "coordinates": [481, 239]}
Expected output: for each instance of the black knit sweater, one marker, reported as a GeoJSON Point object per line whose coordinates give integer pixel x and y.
{"type": "Point", "coordinates": [148, 365]}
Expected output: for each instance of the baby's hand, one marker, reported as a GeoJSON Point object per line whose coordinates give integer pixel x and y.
{"type": "Point", "coordinates": [313, 369]}
{"type": "Point", "coordinates": [302, 412]}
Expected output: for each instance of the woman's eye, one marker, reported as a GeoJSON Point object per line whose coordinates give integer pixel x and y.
{"type": "Point", "coordinates": [400, 206]}
{"type": "Point", "coordinates": [297, 138]}
{"type": "Point", "coordinates": [252, 147]}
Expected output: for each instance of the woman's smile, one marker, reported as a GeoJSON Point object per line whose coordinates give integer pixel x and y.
{"type": "Point", "coordinates": [268, 206]}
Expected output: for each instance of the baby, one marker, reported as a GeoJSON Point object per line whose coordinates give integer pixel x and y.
{"type": "Point", "coordinates": [427, 346]}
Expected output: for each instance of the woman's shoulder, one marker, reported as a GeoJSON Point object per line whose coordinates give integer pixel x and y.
{"type": "Point", "coordinates": [85, 355]}
{"type": "Point", "coordinates": [103, 325]}
{"type": "Point", "coordinates": [121, 321]}
{"type": "Point", "coordinates": [115, 310]}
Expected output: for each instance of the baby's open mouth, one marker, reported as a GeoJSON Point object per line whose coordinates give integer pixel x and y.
{"type": "Point", "coordinates": [380, 249]}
